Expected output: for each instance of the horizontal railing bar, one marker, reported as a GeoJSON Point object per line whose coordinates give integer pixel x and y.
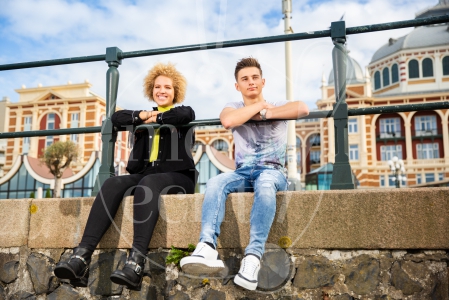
{"type": "Point", "coordinates": [288, 37]}
{"type": "Point", "coordinates": [398, 24]}
{"type": "Point", "coordinates": [232, 43]}
{"type": "Point", "coordinates": [32, 133]}
{"type": "Point", "coordinates": [229, 44]}
{"type": "Point", "coordinates": [209, 122]}
{"type": "Point", "coordinates": [398, 108]}
{"type": "Point", "coordinates": [53, 62]}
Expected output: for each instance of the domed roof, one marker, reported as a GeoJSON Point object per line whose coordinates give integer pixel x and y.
{"type": "Point", "coordinates": [420, 37]}
{"type": "Point", "coordinates": [354, 73]}
{"type": "Point", "coordinates": [438, 10]}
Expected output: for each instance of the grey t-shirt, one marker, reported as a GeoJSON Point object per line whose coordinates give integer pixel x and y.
{"type": "Point", "coordinates": [261, 143]}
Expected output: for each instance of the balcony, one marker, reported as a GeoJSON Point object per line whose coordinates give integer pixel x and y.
{"type": "Point", "coordinates": [428, 133]}
{"type": "Point", "coordinates": [389, 135]}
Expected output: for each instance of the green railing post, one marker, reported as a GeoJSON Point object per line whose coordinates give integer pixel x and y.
{"type": "Point", "coordinates": [108, 135]}
{"type": "Point", "coordinates": [342, 175]}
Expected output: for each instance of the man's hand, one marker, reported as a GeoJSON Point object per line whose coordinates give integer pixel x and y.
{"type": "Point", "coordinates": [258, 117]}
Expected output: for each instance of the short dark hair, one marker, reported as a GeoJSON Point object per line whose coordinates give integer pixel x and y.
{"type": "Point", "coordinates": [246, 63]}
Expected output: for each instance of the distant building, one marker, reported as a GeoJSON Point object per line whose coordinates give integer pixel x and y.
{"type": "Point", "coordinates": [53, 107]}
{"type": "Point", "coordinates": [410, 69]}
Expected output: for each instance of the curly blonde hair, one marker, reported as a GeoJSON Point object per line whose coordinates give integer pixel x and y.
{"type": "Point", "coordinates": [167, 70]}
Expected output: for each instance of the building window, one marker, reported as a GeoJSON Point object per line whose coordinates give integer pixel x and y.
{"type": "Point", "coordinates": [206, 170]}
{"type": "Point", "coordinates": [425, 125]}
{"type": "Point", "coordinates": [315, 140]}
{"type": "Point", "coordinates": [430, 177]}
{"type": "Point", "coordinates": [220, 145]}
{"type": "Point", "coordinates": [74, 123]}
{"type": "Point", "coordinates": [50, 126]}
{"type": "Point", "coordinates": [26, 141]}
{"type": "Point", "coordinates": [315, 157]}
{"type": "Point", "coordinates": [427, 151]}
{"type": "Point", "coordinates": [390, 127]}
{"type": "Point", "coordinates": [388, 152]}
{"type": "Point", "coordinates": [298, 151]}
{"type": "Point", "coordinates": [418, 179]}
{"type": "Point", "coordinates": [377, 80]}
{"type": "Point", "coordinates": [196, 146]}
{"type": "Point", "coordinates": [394, 73]}
{"type": "Point", "coordinates": [391, 181]}
{"type": "Point", "coordinates": [352, 125]}
{"type": "Point", "coordinates": [413, 69]}
{"type": "Point", "coordinates": [386, 76]}
{"type": "Point", "coordinates": [353, 152]}
{"type": "Point", "coordinates": [440, 176]}
{"type": "Point", "coordinates": [446, 65]}
{"type": "Point", "coordinates": [427, 67]}
{"type": "Point", "coordinates": [382, 180]}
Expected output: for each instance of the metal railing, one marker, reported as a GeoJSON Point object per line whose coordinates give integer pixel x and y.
{"type": "Point", "coordinates": [340, 112]}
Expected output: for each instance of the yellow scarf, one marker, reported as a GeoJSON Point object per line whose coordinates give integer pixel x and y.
{"type": "Point", "coordinates": [155, 147]}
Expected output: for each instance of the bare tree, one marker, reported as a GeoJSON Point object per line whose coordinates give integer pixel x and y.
{"type": "Point", "coordinates": [57, 157]}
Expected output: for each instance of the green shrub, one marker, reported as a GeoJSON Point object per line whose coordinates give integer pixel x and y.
{"type": "Point", "coordinates": [48, 194]}
{"type": "Point", "coordinates": [176, 254]}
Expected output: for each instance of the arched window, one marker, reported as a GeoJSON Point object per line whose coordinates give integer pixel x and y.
{"type": "Point", "coordinates": [220, 145]}
{"type": "Point", "coordinates": [413, 69]}
{"type": "Point", "coordinates": [377, 80]}
{"type": "Point", "coordinates": [196, 146]}
{"type": "Point", "coordinates": [298, 151]}
{"type": "Point", "coordinates": [427, 67]}
{"type": "Point", "coordinates": [386, 76]}
{"type": "Point", "coordinates": [446, 65]}
{"type": "Point", "coordinates": [394, 73]}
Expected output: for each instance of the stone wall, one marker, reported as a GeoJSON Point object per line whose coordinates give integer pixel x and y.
{"type": "Point", "coordinates": [379, 244]}
{"type": "Point", "coordinates": [293, 274]}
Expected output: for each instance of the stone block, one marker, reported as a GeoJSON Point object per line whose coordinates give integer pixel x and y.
{"type": "Point", "coordinates": [64, 292]}
{"type": "Point", "coordinates": [9, 267]}
{"type": "Point", "coordinates": [339, 219]}
{"type": "Point", "coordinates": [58, 223]}
{"type": "Point", "coordinates": [14, 222]}
{"type": "Point", "coordinates": [41, 268]}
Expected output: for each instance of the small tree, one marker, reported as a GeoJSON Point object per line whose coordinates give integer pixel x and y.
{"type": "Point", "coordinates": [57, 157]}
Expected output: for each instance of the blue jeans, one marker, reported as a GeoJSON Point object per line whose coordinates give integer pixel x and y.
{"type": "Point", "coordinates": [264, 181]}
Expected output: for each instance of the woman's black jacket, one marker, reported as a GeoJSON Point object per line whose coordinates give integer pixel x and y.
{"type": "Point", "coordinates": [174, 144]}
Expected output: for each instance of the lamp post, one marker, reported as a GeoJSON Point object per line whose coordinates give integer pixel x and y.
{"type": "Point", "coordinates": [294, 181]}
{"type": "Point", "coordinates": [397, 168]}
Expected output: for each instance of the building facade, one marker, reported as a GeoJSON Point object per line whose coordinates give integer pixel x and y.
{"type": "Point", "coordinates": [410, 69]}
{"type": "Point", "coordinates": [53, 107]}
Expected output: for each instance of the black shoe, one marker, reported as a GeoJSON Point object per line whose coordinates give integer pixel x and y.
{"type": "Point", "coordinates": [132, 273]}
{"type": "Point", "coordinates": [76, 268]}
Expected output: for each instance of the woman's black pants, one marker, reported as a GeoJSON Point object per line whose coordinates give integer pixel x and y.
{"type": "Point", "coordinates": [147, 188]}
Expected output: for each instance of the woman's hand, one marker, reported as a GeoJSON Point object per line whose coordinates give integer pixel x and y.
{"type": "Point", "coordinates": [148, 116]}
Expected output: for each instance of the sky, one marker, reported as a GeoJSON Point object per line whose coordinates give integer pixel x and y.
{"type": "Point", "coordinates": [34, 30]}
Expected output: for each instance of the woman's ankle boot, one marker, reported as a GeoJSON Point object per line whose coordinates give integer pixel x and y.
{"type": "Point", "coordinates": [132, 273]}
{"type": "Point", "coordinates": [76, 268]}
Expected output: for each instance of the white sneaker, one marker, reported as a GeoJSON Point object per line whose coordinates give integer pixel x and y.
{"type": "Point", "coordinates": [248, 273]}
{"type": "Point", "coordinates": [204, 260]}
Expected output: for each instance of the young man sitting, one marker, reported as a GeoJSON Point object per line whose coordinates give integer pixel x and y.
{"type": "Point", "coordinates": [259, 157]}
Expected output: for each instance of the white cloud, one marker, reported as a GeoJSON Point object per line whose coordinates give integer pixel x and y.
{"type": "Point", "coordinates": [48, 29]}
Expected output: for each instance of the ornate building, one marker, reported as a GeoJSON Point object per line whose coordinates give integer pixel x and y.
{"type": "Point", "coordinates": [410, 69]}
{"type": "Point", "coordinates": [53, 107]}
